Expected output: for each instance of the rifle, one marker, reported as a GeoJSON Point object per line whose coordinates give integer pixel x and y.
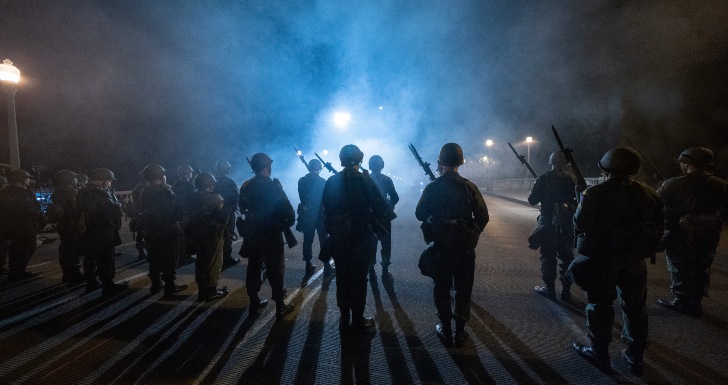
{"type": "Point", "coordinates": [425, 166]}
{"type": "Point", "coordinates": [655, 173]}
{"type": "Point", "coordinates": [580, 182]}
{"type": "Point", "coordinates": [326, 164]}
{"type": "Point", "coordinates": [300, 156]}
{"type": "Point", "coordinates": [523, 160]}
{"type": "Point", "coordinates": [287, 233]}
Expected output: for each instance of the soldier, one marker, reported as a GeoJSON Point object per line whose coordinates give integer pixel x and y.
{"type": "Point", "coordinates": [268, 212]}
{"type": "Point", "coordinates": [205, 233]}
{"type": "Point", "coordinates": [693, 203]}
{"type": "Point", "coordinates": [162, 230]}
{"type": "Point", "coordinates": [20, 220]}
{"type": "Point", "coordinates": [384, 232]}
{"type": "Point", "coordinates": [4, 244]}
{"type": "Point", "coordinates": [98, 225]}
{"type": "Point", "coordinates": [455, 214]}
{"type": "Point", "coordinates": [555, 191]}
{"type": "Point", "coordinates": [618, 222]}
{"type": "Point", "coordinates": [136, 197]}
{"type": "Point", "coordinates": [228, 190]}
{"type": "Point", "coordinates": [63, 213]}
{"type": "Point", "coordinates": [351, 201]}
{"type": "Point", "coordinates": [311, 213]}
{"type": "Point", "coordinates": [184, 188]}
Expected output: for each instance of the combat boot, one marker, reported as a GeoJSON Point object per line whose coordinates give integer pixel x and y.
{"type": "Point", "coordinates": [635, 360]}
{"type": "Point", "coordinates": [328, 269]}
{"type": "Point", "coordinates": [460, 334]}
{"type": "Point", "coordinates": [386, 275]}
{"type": "Point", "coordinates": [170, 288]}
{"type": "Point", "coordinates": [256, 303]}
{"type": "Point", "coordinates": [310, 268]}
{"type": "Point", "coordinates": [597, 354]}
{"type": "Point", "coordinates": [565, 294]}
{"type": "Point", "coordinates": [444, 332]}
{"type": "Point", "coordinates": [547, 291]}
{"type": "Point", "coordinates": [283, 309]}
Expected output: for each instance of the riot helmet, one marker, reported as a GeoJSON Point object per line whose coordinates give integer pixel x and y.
{"type": "Point", "coordinates": [350, 155]}
{"type": "Point", "coordinates": [222, 167]}
{"type": "Point", "coordinates": [102, 174]}
{"type": "Point", "coordinates": [621, 161]}
{"type": "Point", "coordinates": [184, 170]}
{"type": "Point", "coordinates": [314, 165]}
{"type": "Point", "coordinates": [557, 159]}
{"type": "Point", "coordinates": [17, 176]}
{"type": "Point", "coordinates": [376, 163]}
{"type": "Point", "coordinates": [260, 161]}
{"type": "Point", "coordinates": [82, 179]}
{"type": "Point", "coordinates": [154, 172]}
{"type": "Point", "coordinates": [64, 178]}
{"type": "Point", "coordinates": [205, 181]}
{"type": "Point", "coordinates": [451, 155]}
{"type": "Point", "coordinates": [697, 156]}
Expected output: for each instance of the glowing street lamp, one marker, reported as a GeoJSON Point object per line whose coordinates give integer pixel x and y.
{"type": "Point", "coordinates": [528, 145]}
{"type": "Point", "coordinates": [9, 77]}
{"type": "Point", "coordinates": [342, 119]}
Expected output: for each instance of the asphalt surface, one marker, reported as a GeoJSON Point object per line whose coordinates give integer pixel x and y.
{"type": "Point", "coordinates": [52, 333]}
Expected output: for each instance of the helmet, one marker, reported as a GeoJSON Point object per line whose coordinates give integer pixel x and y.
{"type": "Point", "coordinates": [314, 165]}
{"type": "Point", "coordinates": [451, 155]}
{"type": "Point", "coordinates": [222, 167]}
{"type": "Point", "coordinates": [260, 161]}
{"type": "Point", "coordinates": [81, 178]}
{"type": "Point", "coordinates": [102, 174]}
{"type": "Point", "coordinates": [184, 170]}
{"type": "Point", "coordinates": [557, 159]}
{"type": "Point", "coordinates": [697, 156]}
{"type": "Point", "coordinates": [350, 155]}
{"type": "Point", "coordinates": [621, 161]}
{"type": "Point", "coordinates": [376, 163]}
{"type": "Point", "coordinates": [3, 181]}
{"type": "Point", "coordinates": [16, 176]}
{"type": "Point", "coordinates": [205, 180]}
{"type": "Point", "coordinates": [64, 178]}
{"type": "Point", "coordinates": [154, 172]}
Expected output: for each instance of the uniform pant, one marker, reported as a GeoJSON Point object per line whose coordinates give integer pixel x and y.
{"type": "Point", "coordinates": [209, 261]}
{"type": "Point", "coordinates": [308, 236]}
{"type": "Point", "coordinates": [21, 248]}
{"type": "Point", "coordinates": [98, 262]}
{"type": "Point", "coordinates": [455, 269]}
{"type": "Point", "coordinates": [385, 238]}
{"type": "Point", "coordinates": [352, 266]}
{"type": "Point", "coordinates": [272, 255]}
{"type": "Point", "coordinates": [68, 255]}
{"type": "Point", "coordinates": [163, 257]}
{"type": "Point", "coordinates": [556, 252]}
{"type": "Point", "coordinates": [625, 278]}
{"type": "Point", "coordinates": [227, 250]}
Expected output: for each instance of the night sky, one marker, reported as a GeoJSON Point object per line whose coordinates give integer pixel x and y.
{"type": "Point", "coordinates": [121, 84]}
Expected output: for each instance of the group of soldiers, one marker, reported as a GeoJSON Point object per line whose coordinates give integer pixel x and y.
{"type": "Point", "coordinates": [614, 225]}
{"type": "Point", "coordinates": [618, 224]}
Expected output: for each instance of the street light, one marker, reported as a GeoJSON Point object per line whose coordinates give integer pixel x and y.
{"type": "Point", "coordinates": [9, 77]}
{"type": "Point", "coordinates": [528, 146]}
{"type": "Point", "coordinates": [489, 179]}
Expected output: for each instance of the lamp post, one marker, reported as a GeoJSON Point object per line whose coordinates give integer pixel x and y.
{"type": "Point", "coordinates": [9, 77]}
{"type": "Point", "coordinates": [528, 146]}
{"type": "Point", "coordinates": [489, 185]}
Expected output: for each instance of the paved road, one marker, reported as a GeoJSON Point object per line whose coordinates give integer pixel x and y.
{"type": "Point", "coordinates": [54, 334]}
